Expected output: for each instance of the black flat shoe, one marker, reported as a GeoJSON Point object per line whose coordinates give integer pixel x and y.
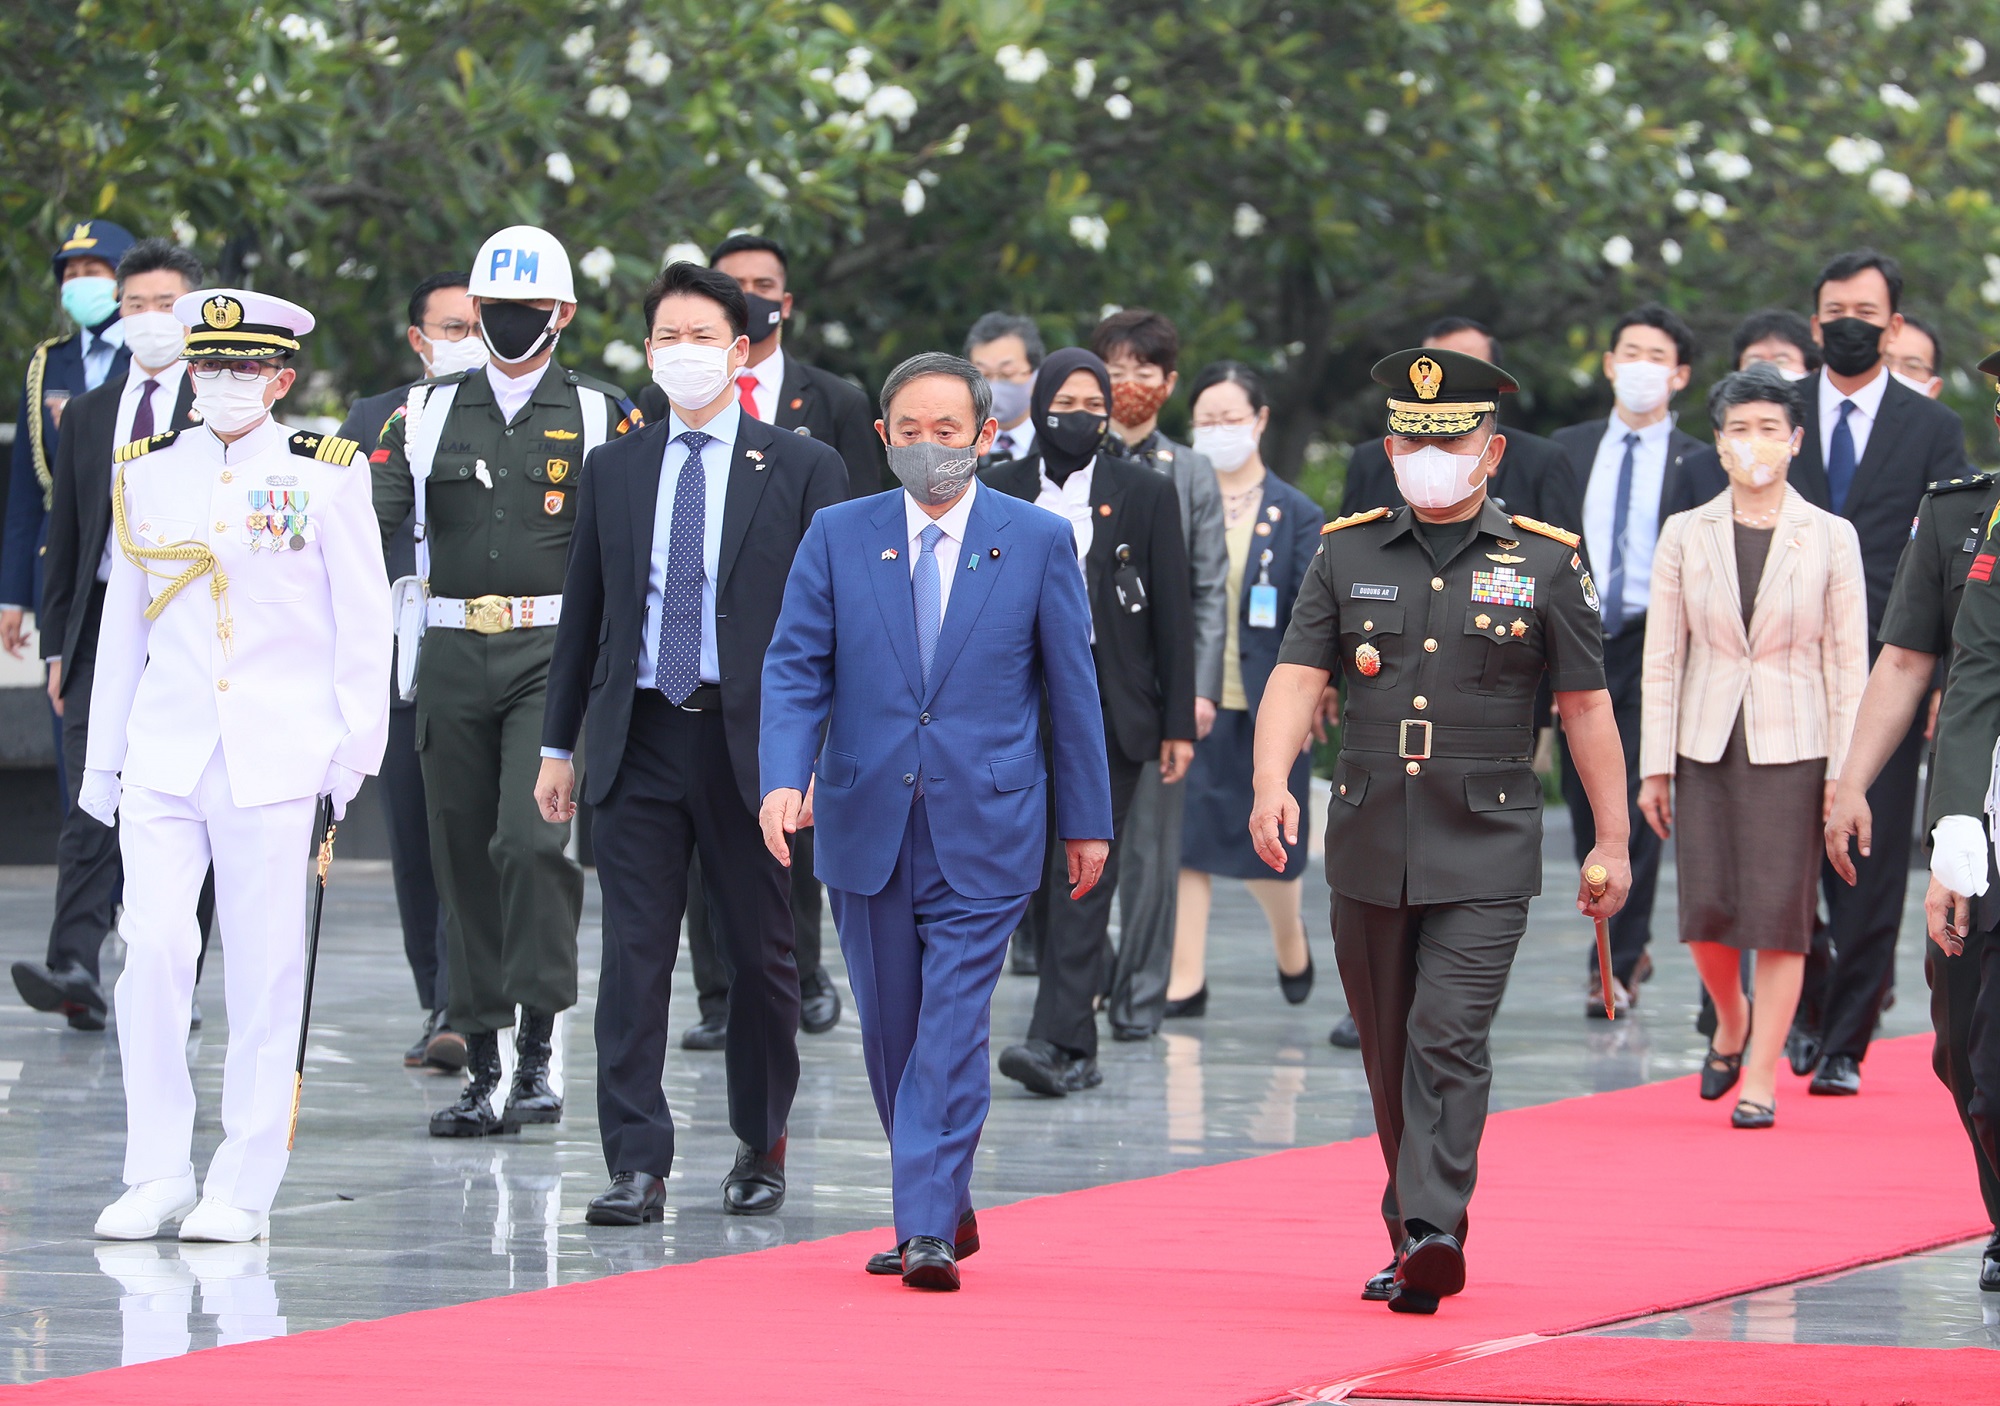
{"type": "Point", "coordinates": [1430, 1267]}
{"type": "Point", "coordinates": [928, 1263]}
{"type": "Point", "coordinates": [1189, 1007]}
{"type": "Point", "coordinates": [1345, 1035]}
{"type": "Point", "coordinates": [1839, 1076]}
{"type": "Point", "coordinates": [965, 1243]}
{"type": "Point", "coordinates": [1719, 1073]}
{"type": "Point", "coordinates": [1753, 1115]}
{"type": "Point", "coordinates": [1297, 988]}
{"type": "Point", "coordinates": [755, 1186]}
{"type": "Point", "coordinates": [633, 1198]}
{"type": "Point", "coordinates": [1381, 1287]}
{"type": "Point", "coordinates": [706, 1034]}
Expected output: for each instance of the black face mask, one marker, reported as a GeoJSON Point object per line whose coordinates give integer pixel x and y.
{"type": "Point", "coordinates": [766, 317]}
{"type": "Point", "coordinates": [514, 331]}
{"type": "Point", "coordinates": [1851, 345]}
{"type": "Point", "coordinates": [1069, 439]}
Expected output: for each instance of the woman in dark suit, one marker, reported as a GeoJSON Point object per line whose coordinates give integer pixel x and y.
{"type": "Point", "coordinates": [1272, 531]}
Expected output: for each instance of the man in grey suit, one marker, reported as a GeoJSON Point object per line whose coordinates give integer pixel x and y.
{"type": "Point", "coordinates": [1141, 349]}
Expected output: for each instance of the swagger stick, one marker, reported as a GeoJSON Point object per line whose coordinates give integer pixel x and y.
{"type": "Point", "coordinates": [323, 826]}
{"type": "Point", "coordinates": [1597, 878]}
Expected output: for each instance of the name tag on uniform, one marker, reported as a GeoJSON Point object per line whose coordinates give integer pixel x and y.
{"type": "Point", "coordinates": [1264, 605]}
{"type": "Point", "coordinates": [1361, 590]}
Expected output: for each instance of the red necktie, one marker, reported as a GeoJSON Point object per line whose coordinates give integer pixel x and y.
{"type": "Point", "coordinates": [142, 418]}
{"type": "Point", "coordinates": [746, 395]}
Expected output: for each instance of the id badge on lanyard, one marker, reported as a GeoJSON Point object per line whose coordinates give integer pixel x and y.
{"type": "Point", "coordinates": [1264, 596]}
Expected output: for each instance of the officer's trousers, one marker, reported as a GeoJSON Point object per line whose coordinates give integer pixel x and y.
{"type": "Point", "coordinates": [261, 856]}
{"type": "Point", "coordinates": [1965, 1011]}
{"type": "Point", "coordinates": [512, 897]}
{"type": "Point", "coordinates": [1149, 880]}
{"type": "Point", "coordinates": [1423, 984]}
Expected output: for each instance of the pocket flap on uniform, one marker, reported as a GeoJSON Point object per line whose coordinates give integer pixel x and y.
{"type": "Point", "coordinates": [1017, 773]}
{"type": "Point", "coordinates": [1350, 783]}
{"type": "Point", "coordinates": [1370, 617]}
{"type": "Point", "coordinates": [1516, 789]}
{"type": "Point", "coordinates": [838, 768]}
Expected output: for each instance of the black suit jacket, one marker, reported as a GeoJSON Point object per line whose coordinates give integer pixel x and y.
{"type": "Point", "coordinates": [776, 483]}
{"type": "Point", "coordinates": [816, 404]}
{"type": "Point", "coordinates": [1145, 658]}
{"type": "Point", "coordinates": [1579, 443]}
{"type": "Point", "coordinates": [1534, 480]}
{"type": "Point", "coordinates": [80, 514]}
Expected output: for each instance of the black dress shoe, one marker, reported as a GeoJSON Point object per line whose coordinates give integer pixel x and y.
{"type": "Point", "coordinates": [1802, 1051]}
{"type": "Point", "coordinates": [70, 990]}
{"type": "Point", "coordinates": [1081, 1073]}
{"type": "Point", "coordinates": [928, 1263]}
{"type": "Point", "coordinates": [1131, 1034]}
{"type": "Point", "coordinates": [965, 1243]}
{"type": "Point", "coordinates": [1838, 1075]}
{"type": "Point", "coordinates": [755, 1186]}
{"type": "Point", "coordinates": [819, 1003]}
{"type": "Point", "coordinates": [1431, 1267]}
{"type": "Point", "coordinates": [532, 1099]}
{"type": "Point", "coordinates": [413, 1057]}
{"type": "Point", "coordinates": [1189, 1007]}
{"type": "Point", "coordinates": [1345, 1035]}
{"type": "Point", "coordinates": [473, 1115]}
{"type": "Point", "coordinates": [706, 1034]}
{"type": "Point", "coordinates": [633, 1198]}
{"type": "Point", "coordinates": [1381, 1287]}
{"type": "Point", "coordinates": [1297, 988]}
{"type": "Point", "coordinates": [1038, 1066]}
{"type": "Point", "coordinates": [1989, 1266]}
{"type": "Point", "coordinates": [1719, 1073]}
{"type": "Point", "coordinates": [446, 1050]}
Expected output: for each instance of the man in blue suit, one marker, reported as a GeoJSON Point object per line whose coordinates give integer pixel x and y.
{"type": "Point", "coordinates": [920, 631]}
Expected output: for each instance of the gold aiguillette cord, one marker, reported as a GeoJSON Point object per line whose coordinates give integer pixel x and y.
{"type": "Point", "coordinates": [200, 559]}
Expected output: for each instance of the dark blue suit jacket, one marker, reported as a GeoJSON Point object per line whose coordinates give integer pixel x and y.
{"type": "Point", "coordinates": [844, 662]}
{"type": "Point", "coordinates": [27, 517]}
{"type": "Point", "coordinates": [1293, 542]}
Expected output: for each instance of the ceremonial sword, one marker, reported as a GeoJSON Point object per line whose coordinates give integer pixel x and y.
{"type": "Point", "coordinates": [324, 827]}
{"type": "Point", "coordinates": [1596, 878]}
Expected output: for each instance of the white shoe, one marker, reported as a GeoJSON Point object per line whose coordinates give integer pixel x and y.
{"type": "Point", "coordinates": [218, 1220]}
{"type": "Point", "coordinates": [145, 1209]}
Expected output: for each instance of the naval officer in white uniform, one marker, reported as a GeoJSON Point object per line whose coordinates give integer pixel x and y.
{"type": "Point", "coordinates": [243, 671]}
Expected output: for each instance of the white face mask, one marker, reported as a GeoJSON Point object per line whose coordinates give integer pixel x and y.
{"type": "Point", "coordinates": [1432, 478]}
{"type": "Point", "coordinates": [1641, 386]}
{"type": "Point", "coordinates": [156, 338]}
{"type": "Point", "coordinates": [1228, 447]}
{"type": "Point", "coordinates": [1923, 388]}
{"type": "Point", "coordinates": [228, 405]}
{"type": "Point", "coordinates": [691, 373]}
{"type": "Point", "coordinates": [468, 353]}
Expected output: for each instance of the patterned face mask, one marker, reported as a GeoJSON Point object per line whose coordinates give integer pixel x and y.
{"type": "Point", "coordinates": [1135, 404]}
{"type": "Point", "coordinates": [933, 473]}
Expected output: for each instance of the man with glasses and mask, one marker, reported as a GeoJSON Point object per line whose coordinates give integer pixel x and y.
{"type": "Point", "coordinates": [903, 700]}
{"type": "Point", "coordinates": [1443, 617]}
{"type": "Point", "coordinates": [242, 672]}
{"type": "Point", "coordinates": [485, 463]}
{"type": "Point", "coordinates": [1008, 350]}
{"type": "Point", "coordinates": [443, 331]}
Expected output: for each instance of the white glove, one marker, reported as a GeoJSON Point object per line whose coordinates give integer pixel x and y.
{"type": "Point", "coordinates": [1958, 855]}
{"type": "Point", "coordinates": [100, 795]}
{"type": "Point", "coordinates": [340, 785]}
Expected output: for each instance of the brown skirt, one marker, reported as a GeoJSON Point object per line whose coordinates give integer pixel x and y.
{"type": "Point", "coordinates": [1748, 846]}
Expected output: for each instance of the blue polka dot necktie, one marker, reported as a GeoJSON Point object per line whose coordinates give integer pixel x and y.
{"type": "Point", "coordinates": [677, 670]}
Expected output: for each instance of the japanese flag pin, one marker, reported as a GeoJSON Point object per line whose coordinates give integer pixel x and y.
{"type": "Point", "coordinates": [995, 554]}
{"type": "Point", "coordinates": [888, 554]}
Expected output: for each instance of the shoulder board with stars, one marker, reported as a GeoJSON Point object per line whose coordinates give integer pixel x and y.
{"type": "Point", "coordinates": [1547, 529]}
{"type": "Point", "coordinates": [327, 449]}
{"type": "Point", "coordinates": [125, 453]}
{"type": "Point", "coordinates": [1959, 485]}
{"type": "Point", "coordinates": [1354, 520]}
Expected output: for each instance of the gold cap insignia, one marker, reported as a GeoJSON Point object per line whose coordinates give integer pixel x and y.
{"type": "Point", "coordinates": [221, 312]}
{"type": "Point", "coordinates": [1427, 376]}
{"type": "Point", "coordinates": [80, 237]}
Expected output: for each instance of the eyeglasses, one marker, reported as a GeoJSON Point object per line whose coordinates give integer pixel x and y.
{"type": "Point", "coordinates": [238, 370]}
{"type": "Point", "coordinates": [1221, 423]}
{"type": "Point", "coordinates": [1915, 367]}
{"type": "Point", "coordinates": [453, 331]}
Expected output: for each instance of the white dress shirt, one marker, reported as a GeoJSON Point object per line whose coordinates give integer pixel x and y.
{"type": "Point", "coordinates": [952, 524]}
{"type": "Point", "coordinates": [716, 459]}
{"type": "Point", "coordinates": [510, 393]}
{"type": "Point", "coordinates": [99, 350]}
{"type": "Point", "coordinates": [1017, 443]}
{"type": "Point", "coordinates": [1071, 499]}
{"type": "Point", "coordinates": [770, 374]}
{"type": "Point", "coordinates": [164, 397]}
{"type": "Point", "coordinates": [1642, 517]}
{"type": "Point", "coordinates": [1860, 420]}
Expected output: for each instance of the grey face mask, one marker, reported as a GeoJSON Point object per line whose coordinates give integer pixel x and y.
{"type": "Point", "coordinates": [933, 473]}
{"type": "Point", "coordinates": [1011, 398]}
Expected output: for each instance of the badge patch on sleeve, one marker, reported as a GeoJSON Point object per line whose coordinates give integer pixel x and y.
{"type": "Point", "coordinates": [552, 503]}
{"type": "Point", "coordinates": [1590, 592]}
{"type": "Point", "coordinates": [1982, 568]}
{"type": "Point", "coordinates": [1504, 586]}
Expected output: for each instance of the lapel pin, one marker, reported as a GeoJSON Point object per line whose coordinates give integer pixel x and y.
{"type": "Point", "coordinates": [755, 456]}
{"type": "Point", "coordinates": [1104, 510]}
{"type": "Point", "coordinates": [995, 554]}
{"type": "Point", "coordinates": [972, 562]}
{"type": "Point", "coordinates": [1274, 512]}
{"type": "Point", "coordinates": [888, 554]}
{"type": "Point", "coordinates": [797, 402]}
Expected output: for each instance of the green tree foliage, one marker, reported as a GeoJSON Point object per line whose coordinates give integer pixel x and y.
{"type": "Point", "coordinates": [1301, 183]}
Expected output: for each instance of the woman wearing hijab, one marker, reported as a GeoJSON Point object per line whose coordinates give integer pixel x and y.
{"type": "Point", "coordinates": [1129, 547]}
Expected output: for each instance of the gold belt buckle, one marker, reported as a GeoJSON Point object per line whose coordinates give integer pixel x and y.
{"type": "Point", "coordinates": [489, 615]}
{"type": "Point", "coordinates": [1403, 740]}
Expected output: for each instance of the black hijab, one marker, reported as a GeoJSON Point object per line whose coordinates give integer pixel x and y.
{"type": "Point", "coordinates": [1067, 441]}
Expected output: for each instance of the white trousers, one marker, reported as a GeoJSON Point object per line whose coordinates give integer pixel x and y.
{"type": "Point", "coordinates": [262, 859]}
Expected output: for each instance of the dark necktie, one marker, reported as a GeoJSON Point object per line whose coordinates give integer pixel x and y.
{"type": "Point", "coordinates": [1840, 459]}
{"type": "Point", "coordinates": [1621, 513]}
{"type": "Point", "coordinates": [142, 418]}
{"type": "Point", "coordinates": [677, 671]}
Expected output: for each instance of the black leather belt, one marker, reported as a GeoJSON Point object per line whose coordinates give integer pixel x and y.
{"type": "Point", "coordinates": [1417, 739]}
{"type": "Point", "coordinates": [706, 698]}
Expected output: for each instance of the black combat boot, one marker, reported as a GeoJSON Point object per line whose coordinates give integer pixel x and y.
{"type": "Point", "coordinates": [531, 1100]}
{"type": "Point", "coordinates": [472, 1115]}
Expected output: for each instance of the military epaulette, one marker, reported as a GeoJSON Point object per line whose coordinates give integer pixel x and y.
{"type": "Point", "coordinates": [326, 448]}
{"type": "Point", "coordinates": [1353, 520]}
{"type": "Point", "coordinates": [1547, 529]}
{"type": "Point", "coordinates": [125, 453]}
{"type": "Point", "coordinates": [1956, 485]}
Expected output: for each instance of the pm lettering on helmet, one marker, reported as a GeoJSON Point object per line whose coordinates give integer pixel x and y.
{"type": "Point", "coordinates": [526, 263]}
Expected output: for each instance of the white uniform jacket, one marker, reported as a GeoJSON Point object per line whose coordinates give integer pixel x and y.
{"type": "Point", "coordinates": [303, 679]}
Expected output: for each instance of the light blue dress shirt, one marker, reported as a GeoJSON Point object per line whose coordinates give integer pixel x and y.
{"type": "Point", "coordinates": [1642, 519]}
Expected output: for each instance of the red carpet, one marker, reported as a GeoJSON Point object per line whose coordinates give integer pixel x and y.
{"type": "Point", "coordinates": [1230, 1284]}
{"type": "Point", "coordinates": [1645, 1372]}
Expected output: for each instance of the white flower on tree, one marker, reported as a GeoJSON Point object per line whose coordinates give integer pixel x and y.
{"type": "Point", "coordinates": [1083, 77]}
{"type": "Point", "coordinates": [1670, 252]}
{"type": "Point", "coordinates": [853, 85]}
{"type": "Point", "coordinates": [1118, 107]}
{"type": "Point", "coordinates": [1019, 67]}
{"type": "Point", "coordinates": [1200, 274]}
{"type": "Point", "coordinates": [1617, 251]}
{"type": "Point", "coordinates": [1248, 222]}
{"type": "Point", "coordinates": [624, 358]}
{"type": "Point", "coordinates": [577, 46]}
{"type": "Point", "coordinates": [1713, 205]}
{"type": "Point", "coordinates": [648, 64]}
{"type": "Point", "coordinates": [1728, 165]}
{"type": "Point", "coordinates": [608, 100]}
{"type": "Point", "coordinates": [1896, 96]}
{"type": "Point", "coordinates": [1602, 76]}
{"type": "Point", "coordinates": [1988, 93]}
{"type": "Point", "coordinates": [598, 266]}
{"type": "Point", "coordinates": [836, 335]}
{"type": "Point", "coordinates": [913, 197]}
{"type": "Point", "coordinates": [683, 253]}
{"type": "Point", "coordinates": [1853, 155]}
{"type": "Point", "coordinates": [1528, 13]}
{"type": "Point", "coordinates": [1376, 122]}
{"type": "Point", "coordinates": [1971, 56]}
{"type": "Point", "coordinates": [1089, 231]}
{"type": "Point", "coordinates": [1890, 13]}
{"type": "Point", "coordinates": [559, 168]}
{"type": "Point", "coordinates": [1892, 188]}
{"type": "Point", "coordinates": [897, 104]}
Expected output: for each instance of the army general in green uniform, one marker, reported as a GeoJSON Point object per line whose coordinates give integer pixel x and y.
{"type": "Point", "coordinates": [1441, 618]}
{"type": "Point", "coordinates": [491, 459]}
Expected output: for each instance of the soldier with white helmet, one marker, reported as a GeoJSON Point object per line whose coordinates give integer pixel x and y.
{"type": "Point", "coordinates": [242, 671]}
{"type": "Point", "coordinates": [486, 461]}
